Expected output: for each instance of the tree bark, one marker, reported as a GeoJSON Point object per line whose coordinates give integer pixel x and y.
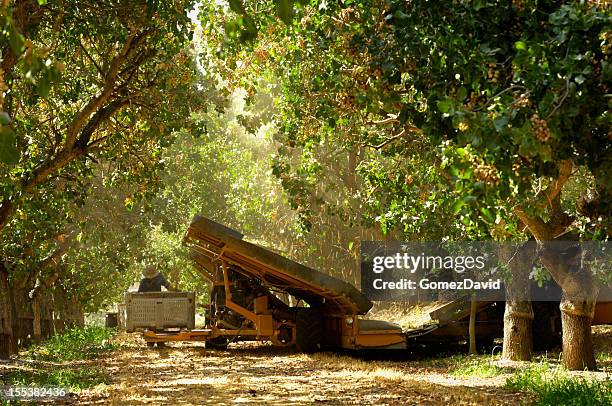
{"type": "Point", "coordinates": [36, 324]}
{"type": "Point", "coordinates": [8, 342]}
{"type": "Point", "coordinates": [578, 351]}
{"type": "Point", "coordinates": [518, 331]}
{"type": "Point", "coordinates": [577, 305]}
{"type": "Point", "coordinates": [573, 276]}
{"type": "Point", "coordinates": [472, 325]}
{"type": "Point", "coordinates": [518, 313]}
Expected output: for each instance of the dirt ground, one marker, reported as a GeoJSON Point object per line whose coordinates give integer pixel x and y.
{"type": "Point", "coordinates": [189, 374]}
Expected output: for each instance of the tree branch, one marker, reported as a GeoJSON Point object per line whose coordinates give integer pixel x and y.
{"type": "Point", "coordinates": [549, 198]}
{"type": "Point", "coordinates": [388, 120]}
{"type": "Point", "coordinates": [554, 188]}
{"type": "Point", "coordinates": [101, 115]}
{"type": "Point", "coordinates": [100, 71]}
{"type": "Point", "coordinates": [132, 42]}
{"type": "Point", "coordinates": [567, 80]}
{"type": "Point", "coordinates": [537, 227]}
{"type": "Point", "coordinates": [389, 140]}
{"type": "Point", "coordinates": [488, 102]}
{"type": "Point", "coordinates": [52, 259]}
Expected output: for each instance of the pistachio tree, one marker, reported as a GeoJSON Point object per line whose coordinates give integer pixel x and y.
{"type": "Point", "coordinates": [521, 88]}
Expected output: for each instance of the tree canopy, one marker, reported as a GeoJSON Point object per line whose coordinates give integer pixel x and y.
{"type": "Point", "coordinates": [309, 125]}
{"type": "Point", "coordinates": [508, 101]}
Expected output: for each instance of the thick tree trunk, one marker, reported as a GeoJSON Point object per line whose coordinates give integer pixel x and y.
{"type": "Point", "coordinates": [80, 315]}
{"type": "Point", "coordinates": [569, 268]}
{"type": "Point", "coordinates": [59, 306]}
{"type": "Point", "coordinates": [577, 306]}
{"type": "Point", "coordinates": [518, 332]}
{"type": "Point", "coordinates": [23, 316]}
{"type": "Point", "coordinates": [8, 341]}
{"type": "Point", "coordinates": [518, 314]}
{"type": "Point", "coordinates": [576, 320]}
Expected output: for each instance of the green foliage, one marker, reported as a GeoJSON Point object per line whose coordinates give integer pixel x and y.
{"type": "Point", "coordinates": [244, 23]}
{"type": "Point", "coordinates": [524, 86]}
{"type": "Point", "coordinates": [39, 71]}
{"type": "Point", "coordinates": [8, 149]}
{"type": "Point", "coordinates": [75, 344]}
{"type": "Point", "coordinates": [604, 357]}
{"type": "Point", "coordinates": [399, 188]}
{"type": "Point", "coordinates": [559, 387]}
{"type": "Point", "coordinates": [73, 379]}
{"type": "Point", "coordinates": [522, 108]}
{"type": "Point", "coordinates": [284, 10]}
{"type": "Point", "coordinates": [463, 365]}
{"type": "Point", "coordinates": [551, 384]}
{"type": "Point", "coordinates": [220, 170]}
{"type": "Point", "coordinates": [107, 245]}
{"type": "Point", "coordinates": [92, 94]}
{"type": "Point", "coordinates": [165, 250]}
{"type": "Point", "coordinates": [480, 366]}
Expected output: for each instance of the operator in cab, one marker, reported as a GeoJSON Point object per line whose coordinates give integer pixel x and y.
{"type": "Point", "coordinates": [153, 281]}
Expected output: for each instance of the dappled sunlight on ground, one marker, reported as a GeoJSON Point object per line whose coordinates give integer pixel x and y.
{"type": "Point", "coordinates": [187, 373]}
{"type": "Point", "coordinates": [253, 373]}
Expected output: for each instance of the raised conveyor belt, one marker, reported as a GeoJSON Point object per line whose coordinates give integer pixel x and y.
{"type": "Point", "coordinates": [211, 243]}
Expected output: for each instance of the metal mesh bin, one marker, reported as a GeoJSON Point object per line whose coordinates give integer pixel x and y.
{"type": "Point", "coordinates": [159, 310]}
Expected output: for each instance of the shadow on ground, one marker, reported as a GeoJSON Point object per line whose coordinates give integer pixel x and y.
{"type": "Point", "coordinates": [186, 374]}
